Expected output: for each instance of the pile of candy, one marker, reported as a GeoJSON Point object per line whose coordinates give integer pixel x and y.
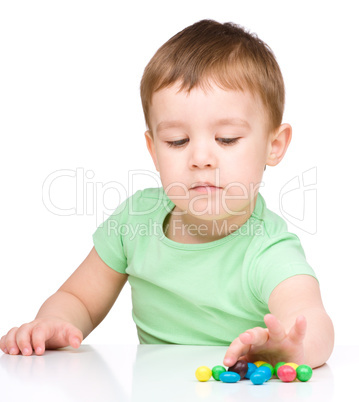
{"type": "Point", "coordinates": [258, 372]}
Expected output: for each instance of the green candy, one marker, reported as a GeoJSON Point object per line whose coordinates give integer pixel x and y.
{"type": "Point", "coordinates": [304, 373]}
{"type": "Point", "coordinates": [276, 367]}
{"type": "Point", "coordinates": [217, 371]}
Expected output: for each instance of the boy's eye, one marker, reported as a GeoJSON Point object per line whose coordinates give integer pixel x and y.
{"type": "Point", "coordinates": [228, 141]}
{"type": "Point", "coordinates": [223, 141]}
{"type": "Point", "coordinates": [177, 143]}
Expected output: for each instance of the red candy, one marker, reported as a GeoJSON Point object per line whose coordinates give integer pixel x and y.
{"type": "Point", "coordinates": [286, 373]}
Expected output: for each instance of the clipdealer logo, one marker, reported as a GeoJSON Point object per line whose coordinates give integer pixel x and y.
{"type": "Point", "coordinates": [86, 196]}
{"type": "Point", "coordinates": [82, 195]}
{"type": "Point", "coordinates": [298, 201]}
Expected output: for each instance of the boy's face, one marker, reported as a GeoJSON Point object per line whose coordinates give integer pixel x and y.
{"type": "Point", "coordinates": [210, 149]}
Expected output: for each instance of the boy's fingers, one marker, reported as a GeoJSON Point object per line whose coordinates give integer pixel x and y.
{"type": "Point", "coordinates": [23, 339]}
{"type": "Point", "coordinates": [68, 334]}
{"type": "Point", "coordinates": [256, 336]}
{"type": "Point", "coordinates": [75, 341]}
{"type": "Point", "coordinates": [74, 336]}
{"type": "Point", "coordinates": [2, 345]}
{"type": "Point", "coordinates": [234, 352]}
{"type": "Point", "coordinates": [10, 342]}
{"type": "Point", "coordinates": [35, 336]}
{"type": "Point", "coordinates": [297, 332]}
{"type": "Point", "coordinates": [276, 330]}
{"type": "Point", "coordinates": [40, 334]}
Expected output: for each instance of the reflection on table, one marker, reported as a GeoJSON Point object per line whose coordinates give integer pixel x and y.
{"type": "Point", "coordinates": [156, 373]}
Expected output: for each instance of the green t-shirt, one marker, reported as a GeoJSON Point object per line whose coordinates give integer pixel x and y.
{"type": "Point", "coordinates": [198, 294]}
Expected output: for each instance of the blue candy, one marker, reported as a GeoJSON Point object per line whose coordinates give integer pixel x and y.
{"type": "Point", "coordinates": [258, 377]}
{"type": "Point", "coordinates": [229, 376]}
{"type": "Point", "coordinates": [251, 369]}
{"type": "Point", "coordinates": [266, 372]}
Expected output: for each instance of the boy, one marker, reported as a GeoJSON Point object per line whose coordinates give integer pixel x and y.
{"type": "Point", "coordinates": [207, 262]}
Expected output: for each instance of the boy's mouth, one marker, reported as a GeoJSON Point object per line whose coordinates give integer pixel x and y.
{"type": "Point", "coordinates": [204, 187]}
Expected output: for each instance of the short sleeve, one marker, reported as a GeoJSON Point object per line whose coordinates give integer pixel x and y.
{"type": "Point", "coordinates": [108, 241]}
{"type": "Point", "coordinates": [278, 258]}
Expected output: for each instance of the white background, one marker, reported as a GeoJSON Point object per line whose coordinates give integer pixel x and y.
{"type": "Point", "coordinates": [69, 103]}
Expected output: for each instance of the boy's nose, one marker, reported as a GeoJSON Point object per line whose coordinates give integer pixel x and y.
{"type": "Point", "coordinates": [202, 157]}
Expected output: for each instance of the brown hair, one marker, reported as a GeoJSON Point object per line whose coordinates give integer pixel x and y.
{"type": "Point", "coordinates": [223, 53]}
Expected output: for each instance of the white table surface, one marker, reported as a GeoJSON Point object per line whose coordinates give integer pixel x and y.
{"type": "Point", "coordinates": [104, 373]}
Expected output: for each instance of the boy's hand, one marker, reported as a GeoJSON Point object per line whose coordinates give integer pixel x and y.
{"type": "Point", "coordinates": [49, 333]}
{"type": "Point", "coordinates": [272, 344]}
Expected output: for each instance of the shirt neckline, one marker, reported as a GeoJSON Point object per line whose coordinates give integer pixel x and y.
{"type": "Point", "coordinates": [258, 209]}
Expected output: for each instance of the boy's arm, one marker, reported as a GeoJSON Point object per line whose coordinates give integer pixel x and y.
{"type": "Point", "coordinates": [298, 330]}
{"type": "Point", "coordinates": [300, 295]}
{"type": "Point", "coordinates": [69, 315]}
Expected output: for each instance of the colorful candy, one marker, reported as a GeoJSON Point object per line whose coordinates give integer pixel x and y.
{"type": "Point", "coordinates": [230, 376]}
{"type": "Point", "coordinates": [271, 368]}
{"type": "Point", "coordinates": [266, 371]}
{"type": "Point", "coordinates": [258, 372]}
{"type": "Point", "coordinates": [251, 369]}
{"type": "Point", "coordinates": [203, 373]}
{"type": "Point", "coordinates": [217, 371]}
{"type": "Point", "coordinates": [286, 373]}
{"type": "Point", "coordinates": [258, 378]}
{"type": "Point", "coordinates": [294, 365]}
{"type": "Point", "coordinates": [259, 363]}
{"type": "Point", "coordinates": [304, 373]}
{"type": "Point", "coordinates": [276, 367]}
{"type": "Point", "coordinates": [241, 367]}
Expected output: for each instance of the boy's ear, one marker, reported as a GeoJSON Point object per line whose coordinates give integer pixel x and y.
{"type": "Point", "coordinates": [151, 148]}
{"type": "Point", "coordinates": [279, 143]}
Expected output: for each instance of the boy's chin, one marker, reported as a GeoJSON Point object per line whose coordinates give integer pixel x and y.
{"type": "Point", "coordinates": [218, 216]}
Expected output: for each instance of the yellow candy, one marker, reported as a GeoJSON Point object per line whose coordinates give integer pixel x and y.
{"type": "Point", "coordinates": [294, 365]}
{"type": "Point", "coordinates": [259, 363]}
{"type": "Point", "coordinates": [203, 373]}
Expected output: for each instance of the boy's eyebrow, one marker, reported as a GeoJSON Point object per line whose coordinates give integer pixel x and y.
{"type": "Point", "coordinates": [233, 122]}
{"type": "Point", "coordinates": [163, 125]}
